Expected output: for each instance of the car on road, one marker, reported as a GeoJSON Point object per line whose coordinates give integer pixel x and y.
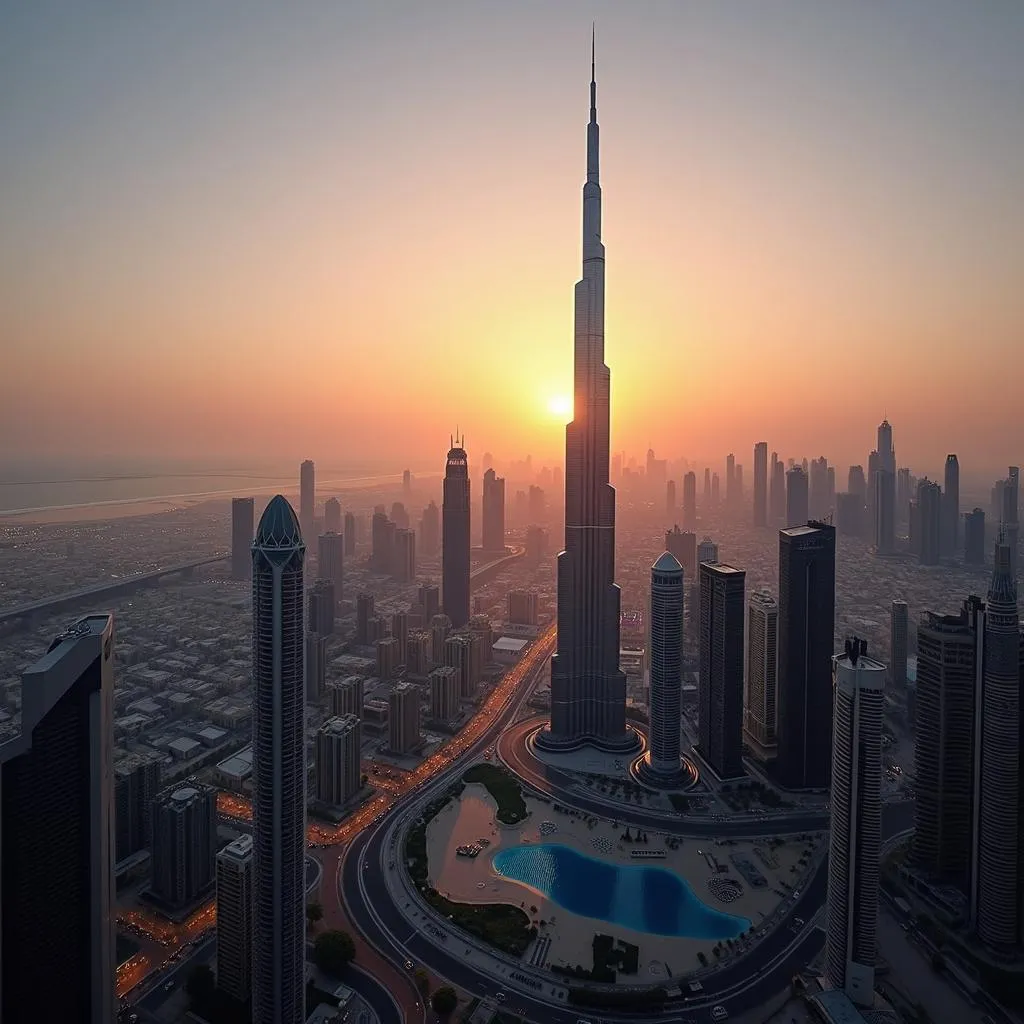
{"type": "Point", "coordinates": [408, 965]}
{"type": "Point", "coordinates": [500, 997]}
{"type": "Point", "coordinates": [719, 1013]}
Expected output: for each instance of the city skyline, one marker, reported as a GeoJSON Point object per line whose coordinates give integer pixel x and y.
{"type": "Point", "coordinates": [799, 247]}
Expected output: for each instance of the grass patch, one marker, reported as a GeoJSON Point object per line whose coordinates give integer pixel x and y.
{"type": "Point", "coordinates": [505, 789]}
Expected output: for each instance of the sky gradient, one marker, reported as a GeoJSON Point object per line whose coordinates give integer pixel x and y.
{"type": "Point", "coordinates": [323, 229]}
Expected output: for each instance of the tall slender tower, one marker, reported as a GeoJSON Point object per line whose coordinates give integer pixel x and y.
{"type": "Point", "coordinates": [856, 831]}
{"type": "Point", "coordinates": [307, 496]}
{"type": "Point", "coordinates": [455, 536]}
{"type": "Point", "coordinates": [761, 483]}
{"type": "Point", "coordinates": [997, 903]}
{"type": "Point", "coordinates": [279, 770]}
{"type": "Point", "coordinates": [666, 665]}
{"type": "Point", "coordinates": [494, 512]}
{"type": "Point", "coordinates": [951, 508]}
{"type": "Point", "coordinates": [588, 691]}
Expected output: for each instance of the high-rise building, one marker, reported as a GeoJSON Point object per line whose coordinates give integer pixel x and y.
{"type": "Point", "coordinates": [404, 719]}
{"type": "Point", "coordinates": [928, 536]}
{"type": "Point", "coordinates": [314, 666]}
{"type": "Point", "coordinates": [346, 696]}
{"type": "Point", "coordinates": [707, 487]}
{"type": "Point", "coordinates": [242, 521]}
{"type": "Point", "coordinates": [974, 537]}
{"type": "Point", "coordinates": [850, 514]}
{"type": "Point", "coordinates": [807, 604]}
{"type": "Point", "coordinates": [136, 783]}
{"type": "Point", "coordinates": [307, 498]}
{"type": "Point", "coordinates": [898, 634]}
{"type": "Point", "coordinates": [951, 508]}
{"type": "Point", "coordinates": [707, 551]}
{"type": "Point", "coordinates": [683, 547]}
{"type": "Point", "coordinates": [430, 531]}
{"type": "Point", "coordinates": [321, 604]}
{"type": "Point", "coordinates": [588, 690]}
{"type": "Point", "coordinates": [885, 512]}
{"type": "Point", "coordinates": [666, 666]}
{"type": "Point", "coordinates": [670, 499]}
{"type": "Point", "coordinates": [184, 842]}
{"type": "Point", "coordinates": [332, 516]}
{"type": "Point", "coordinates": [731, 491]}
{"type": "Point", "coordinates": [949, 668]}
{"type": "Point", "coordinates": [382, 544]}
{"type": "Point", "coordinates": [906, 492]}
{"type": "Point", "coordinates": [234, 919]}
{"type": "Point", "coordinates": [417, 652]}
{"type": "Point", "coordinates": [330, 561]}
{"type": "Point", "coordinates": [856, 833]}
{"type": "Point", "coordinates": [350, 533]}
{"type": "Point", "coordinates": [405, 556]}
{"type": "Point", "coordinates": [364, 613]}
{"type": "Point", "coordinates": [337, 759]}
{"type": "Point", "coordinates": [856, 482]}
{"type": "Point", "coordinates": [493, 512]}
{"type": "Point", "coordinates": [440, 627]}
{"type": "Point", "coordinates": [458, 654]}
{"type": "Point", "coordinates": [818, 502]}
{"type": "Point", "coordinates": [444, 693]}
{"type": "Point", "coordinates": [278, 770]}
{"type": "Point", "coordinates": [797, 500]}
{"type": "Point", "coordinates": [387, 657]}
{"type": "Point", "coordinates": [720, 695]}
{"type": "Point", "coordinates": [761, 483]}
{"type": "Point", "coordinates": [428, 598]}
{"type": "Point", "coordinates": [1011, 492]}
{"type": "Point", "coordinates": [57, 835]}
{"type": "Point", "coordinates": [400, 631]}
{"type": "Point", "coordinates": [690, 500]}
{"type": "Point", "coordinates": [522, 607]}
{"type": "Point", "coordinates": [455, 541]}
{"type": "Point", "coordinates": [998, 889]}
{"type": "Point", "coordinates": [716, 490]}
{"type": "Point", "coordinates": [760, 699]}
{"type": "Point", "coordinates": [778, 490]}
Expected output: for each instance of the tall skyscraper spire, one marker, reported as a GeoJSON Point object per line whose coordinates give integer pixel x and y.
{"type": "Point", "coordinates": [588, 692]}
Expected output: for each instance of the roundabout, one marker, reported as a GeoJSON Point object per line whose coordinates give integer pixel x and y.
{"type": "Point", "coordinates": [391, 915]}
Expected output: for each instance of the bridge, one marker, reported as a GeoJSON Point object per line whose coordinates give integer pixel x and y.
{"type": "Point", "coordinates": [487, 572]}
{"type": "Point", "coordinates": [123, 585]}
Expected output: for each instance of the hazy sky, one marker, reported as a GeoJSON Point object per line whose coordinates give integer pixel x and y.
{"type": "Point", "coordinates": [326, 228]}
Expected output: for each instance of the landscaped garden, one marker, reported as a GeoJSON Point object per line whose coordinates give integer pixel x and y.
{"type": "Point", "coordinates": [503, 787]}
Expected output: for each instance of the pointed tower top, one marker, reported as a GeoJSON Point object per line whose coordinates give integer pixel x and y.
{"type": "Point", "coordinates": [593, 73]}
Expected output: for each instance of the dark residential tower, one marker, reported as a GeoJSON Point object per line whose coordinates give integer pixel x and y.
{"type": "Point", "coordinates": [797, 503]}
{"type": "Point", "coordinates": [807, 603]}
{"type": "Point", "coordinates": [951, 508]}
{"type": "Point", "coordinates": [279, 769]}
{"type": "Point", "coordinates": [761, 483]}
{"type": "Point", "coordinates": [455, 543]}
{"type": "Point", "coordinates": [242, 521]}
{"type": "Point", "coordinates": [588, 690]}
{"type": "Point", "coordinates": [720, 698]}
{"type": "Point", "coordinates": [666, 666]}
{"type": "Point", "coordinates": [307, 497]}
{"type": "Point", "coordinates": [57, 836]}
{"type": "Point", "coordinates": [494, 512]}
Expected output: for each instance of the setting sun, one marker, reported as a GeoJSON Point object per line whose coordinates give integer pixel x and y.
{"type": "Point", "coordinates": [560, 405]}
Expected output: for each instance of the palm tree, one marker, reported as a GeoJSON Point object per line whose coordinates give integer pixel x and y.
{"type": "Point", "coordinates": [314, 913]}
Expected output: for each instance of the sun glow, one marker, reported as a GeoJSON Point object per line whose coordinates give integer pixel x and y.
{"type": "Point", "coordinates": [560, 405]}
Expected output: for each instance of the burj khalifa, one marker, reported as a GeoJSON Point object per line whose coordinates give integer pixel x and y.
{"type": "Point", "coordinates": [588, 691]}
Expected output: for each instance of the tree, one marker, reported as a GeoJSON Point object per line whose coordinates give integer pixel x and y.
{"type": "Point", "coordinates": [200, 985]}
{"type": "Point", "coordinates": [445, 1000]}
{"type": "Point", "coordinates": [422, 981]}
{"type": "Point", "coordinates": [314, 913]}
{"type": "Point", "coordinates": [333, 951]}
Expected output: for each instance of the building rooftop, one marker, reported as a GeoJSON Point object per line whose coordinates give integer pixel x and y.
{"type": "Point", "coordinates": [279, 526]}
{"type": "Point", "coordinates": [667, 563]}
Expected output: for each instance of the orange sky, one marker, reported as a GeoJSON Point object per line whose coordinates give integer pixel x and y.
{"type": "Point", "coordinates": [340, 230]}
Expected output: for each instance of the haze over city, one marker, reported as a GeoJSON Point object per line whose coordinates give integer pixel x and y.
{"type": "Point", "coordinates": [337, 230]}
{"type": "Point", "coordinates": [511, 514]}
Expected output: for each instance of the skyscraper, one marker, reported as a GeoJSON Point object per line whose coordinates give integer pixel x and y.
{"type": "Point", "coordinates": [974, 537]}
{"type": "Point", "coordinates": [818, 498]}
{"type": "Point", "coordinates": [494, 512]}
{"type": "Point", "coordinates": [666, 666]}
{"type": "Point", "coordinates": [279, 769]}
{"type": "Point", "coordinates": [807, 605]}
{"type": "Point", "coordinates": [797, 502]}
{"type": "Point", "coordinates": [684, 547]}
{"type": "Point", "coordinates": [951, 508]}
{"type": "Point", "coordinates": [242, 519]}
{"type": "Point", "coordinates": [1011, 492]}
{"type": "Point", "coordinates": [670, 499]}
{"type": "Point", "coordinates": [337, 756]}
{"type": "Point", "coordinates": [778, 490]}
{"type": "Point", "coordinates": [928, 538]}
{"type": "Point", "coordinates": [455, 536]}
{"type": "Point", "coordinates": [856, 832]}
{"type": "Point", "coordinates": [184, 842]}
{"type": "Point", "coordinates": [430, 531]}
{"type": "Point", "coordinates": [730, 480]}
{"type": "Point", "coordinates": [885, 512]}
{"type": "Point", "coordinates": [588, 691]}
{"type": "Point", "coordinates": [332, 516]}
{"type": "Point", "coordinates": [898, 632]}
{"type": "Point", "coordinates": [136, 783]}
{"type": "Point", "coordinates": [307, 498]}
{"type": "Point", "coordinates": [760, 699]}
{"type": "Point", "coordinates": [690, 500]}
{"type": "Point", "coordinates": [761, 483]}
{"type": "Point", "coordinates": [949, 667]}
{"type": "Point", "coordinates": [57, 835]}
{"type": "Point", "coordinates": [404, 719]}
{"type": "Point", "coordinates": [997, 892]}
{"type": "Point", "coordinates": [330, 561]}
{"type": "Point", "coordinates": [720, 697]}
{"type": "Point", "coordinates": [349, 533]}
{"type": "Point", "coordinates": [234, 918]}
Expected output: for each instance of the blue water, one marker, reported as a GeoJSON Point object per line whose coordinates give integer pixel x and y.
{"type": "Point", "coordinates": [637, 896]}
